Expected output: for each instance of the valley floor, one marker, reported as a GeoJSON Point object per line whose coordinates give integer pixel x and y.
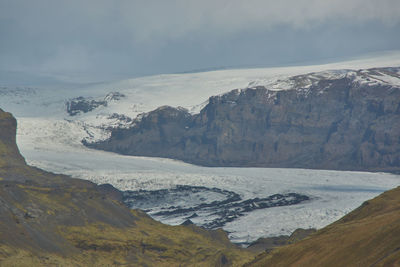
{"type": "Point", "coordinates": [332, 193]}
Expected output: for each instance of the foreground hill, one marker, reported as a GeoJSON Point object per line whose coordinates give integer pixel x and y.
{"type": "Point", "coordinates": [368, 236]}
{"type": "Point", "coordinates": [54, 220]}
{"type": "Point", "coordinates": [343, 120]}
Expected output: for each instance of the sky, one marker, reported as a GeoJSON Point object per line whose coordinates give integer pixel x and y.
{"type": "Point", "coordinates": [97, 40]}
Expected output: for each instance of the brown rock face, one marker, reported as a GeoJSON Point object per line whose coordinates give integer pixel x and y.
{"type": "Point", "coordinates": [9, 153]}
{"type": "Point", "coordinates": [335, 123]}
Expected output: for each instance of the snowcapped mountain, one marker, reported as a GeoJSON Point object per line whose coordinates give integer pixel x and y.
{"type": "Point", "coordinates": [52, 122]}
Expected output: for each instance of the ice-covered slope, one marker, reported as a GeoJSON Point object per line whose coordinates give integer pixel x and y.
{"type": "Point", "coordinates": [50, 138]}
{"type": "Point", "coordinates": [190, 91]}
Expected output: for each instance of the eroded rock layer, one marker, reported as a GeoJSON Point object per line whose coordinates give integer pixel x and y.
{"type": "Point", "coordinates": [347, 120]}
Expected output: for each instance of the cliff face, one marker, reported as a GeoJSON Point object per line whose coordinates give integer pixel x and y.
{"type": "Point", "coordinates": [9, 153]}
{"type": "Point", "coordinates": [349, 120]}
{"type": "Point", "coordinates": [55, 220]}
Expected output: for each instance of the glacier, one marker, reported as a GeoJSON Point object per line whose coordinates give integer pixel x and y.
{"type": "Point", "coordinates": [50, 138]}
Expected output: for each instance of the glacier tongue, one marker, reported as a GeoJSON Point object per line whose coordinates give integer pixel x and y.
{"type": "Point", "coordinates": [332, 193]}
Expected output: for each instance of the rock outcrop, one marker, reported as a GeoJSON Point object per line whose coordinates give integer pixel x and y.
{"type": "Point", "coordinates": [9, 153]}
{"type": "Point", "coordinates": [344, 120]}
{"type": "Point", "coordinates": [81, 104]}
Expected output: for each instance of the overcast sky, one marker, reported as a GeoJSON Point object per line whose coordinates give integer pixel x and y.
{"type": "Point", "coordinates": [119, 38]}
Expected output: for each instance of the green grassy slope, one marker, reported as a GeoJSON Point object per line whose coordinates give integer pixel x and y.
{"type": "Point", "coordinates": [368, 236]}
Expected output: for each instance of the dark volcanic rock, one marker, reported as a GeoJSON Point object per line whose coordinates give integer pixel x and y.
{"type": "Point", "coordinates": [187, 222]}
{"type": "Point", "coordinates": [216, 206]}
{"type": "Point", "coordinates": [335, 122]}
{"type": "Point", "coordinates": [81, 104]}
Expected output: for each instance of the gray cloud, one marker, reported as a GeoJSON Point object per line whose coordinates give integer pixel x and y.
{"type": "Point", "coordinates": [142, 37]}
{"type": "Point", "coordinates": [177, 18]}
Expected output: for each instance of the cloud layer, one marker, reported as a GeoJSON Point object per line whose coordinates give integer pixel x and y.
{"type": "Point", "coordinates": [143, 36]}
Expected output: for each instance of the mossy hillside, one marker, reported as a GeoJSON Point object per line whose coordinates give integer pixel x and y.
{"type": "Point", "coordinates": [370, 235]}
{"type": "Point", "coordinates": [55, 220]}
{"type": "Point", "coordinates": [85, 235]}
{"type": "Point", "coordinates": [155, 244]}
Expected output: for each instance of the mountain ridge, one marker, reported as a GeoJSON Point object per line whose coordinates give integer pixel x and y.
{"type": "Point", "coordinates": [343, 120]}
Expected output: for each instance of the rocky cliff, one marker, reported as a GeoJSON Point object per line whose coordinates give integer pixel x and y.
{"type": "Point", "coordinates": [9, 153]}
{"type": "Point", "coordinates": [345, 120]}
